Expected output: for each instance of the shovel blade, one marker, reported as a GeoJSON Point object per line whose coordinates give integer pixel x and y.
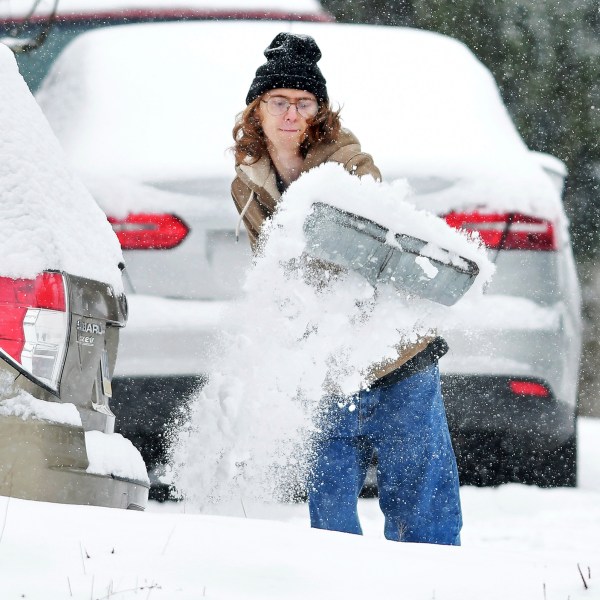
{"type": "Point", "coordinates": [361, 245]}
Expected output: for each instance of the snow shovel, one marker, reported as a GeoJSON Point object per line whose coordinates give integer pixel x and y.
{"type": "Point", "coordinates": [361, 245]}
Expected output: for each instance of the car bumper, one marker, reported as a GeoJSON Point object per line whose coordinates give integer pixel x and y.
{"type": "Point", "coordinates": [48, 462]}
{"type": "Point", "coordinates": [479, 404]}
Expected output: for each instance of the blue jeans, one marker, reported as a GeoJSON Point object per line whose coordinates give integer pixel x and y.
{"type": "Point", "coordinates": [417, 477]}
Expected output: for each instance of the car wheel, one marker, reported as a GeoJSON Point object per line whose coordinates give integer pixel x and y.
{"type": "Point", "coordinates": [556, 468]}
{"type": "Point", "coordinates": [480, 459]}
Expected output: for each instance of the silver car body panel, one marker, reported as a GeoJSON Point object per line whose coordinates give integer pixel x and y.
{"type": "Point", "coordinates": [539, 332]}
{"type": "Point", "coordinates": [47, 461]}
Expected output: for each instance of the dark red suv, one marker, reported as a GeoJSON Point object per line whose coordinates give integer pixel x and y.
{"type": "Point", "coordinates": [73, 17]}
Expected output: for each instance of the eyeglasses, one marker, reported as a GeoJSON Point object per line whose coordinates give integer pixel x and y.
{"type": "Point", "coordinates": [279, 105]}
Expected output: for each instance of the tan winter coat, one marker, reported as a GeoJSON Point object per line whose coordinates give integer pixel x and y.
{"type": "Point", "coordinates": [255, 193]}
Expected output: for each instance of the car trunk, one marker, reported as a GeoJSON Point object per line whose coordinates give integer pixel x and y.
{"type": "Point", "coordinates": [198, 258]}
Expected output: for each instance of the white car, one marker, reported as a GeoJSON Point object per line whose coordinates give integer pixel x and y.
{"type": "Point", "coordinates": [510, 378]}
{"type": "Point", "coordinates": [145, 114]}
{"type": "Point", "coordinates": [62, 308]}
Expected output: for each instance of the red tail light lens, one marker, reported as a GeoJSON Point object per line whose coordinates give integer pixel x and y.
{"type": "Point", "coordinates": [33, 324]}
{"type": "Point", "coordinates": [144, 231]}
{"type": "Point", "coordinates": [50, 292]}
{"type": "Point", "coordinates": [507, 231]}
{"type": "Point", "coordinates": [529, 388]}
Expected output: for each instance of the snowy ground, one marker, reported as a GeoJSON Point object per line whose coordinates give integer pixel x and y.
{"type": "Point", "coordinates": [519, 543]}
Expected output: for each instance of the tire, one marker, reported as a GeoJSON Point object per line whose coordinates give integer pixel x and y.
{"type": "Point", "coordinates": [556, 468]}
{"type": "Point", "coordinates": [479, 458]}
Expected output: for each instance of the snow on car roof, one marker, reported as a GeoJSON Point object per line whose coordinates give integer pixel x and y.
{"type": "Point", "coordinates": [80, 7]}
{"type": "Point", "coordinates": [157, 101]}
{"type": "Point", "coordinates": [48, 220]}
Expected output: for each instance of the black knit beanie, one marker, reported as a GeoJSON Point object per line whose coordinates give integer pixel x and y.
{"type": "Point", "coordinates": [291, 63]}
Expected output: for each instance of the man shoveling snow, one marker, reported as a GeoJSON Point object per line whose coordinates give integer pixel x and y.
{"type": "Point", "coordinates": [397, 410]}
{"type": "Point", "coordinates": [321, 365]}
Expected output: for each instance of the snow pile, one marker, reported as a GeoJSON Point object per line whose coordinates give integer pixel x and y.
{"type": "Point", "coordinates": [48, 220]}
{"type": "Point", "coordinates": [18, 403]}
{"type": "Point", "coordinates": [103, 554]}
{"type": "Point", "coordinates": [519, 543]}
{"type": "Point", "coordinates": [112, 454]}
{"type": "Point", "coordinates": [301, 333]}
{"type": "Point", "coordinates": [150, 313]}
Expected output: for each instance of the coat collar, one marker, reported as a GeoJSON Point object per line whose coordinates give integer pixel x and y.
{"type": "Point", "coordinates": [260, 176]}
{"type": "Point", "coordinates": [321, 153]}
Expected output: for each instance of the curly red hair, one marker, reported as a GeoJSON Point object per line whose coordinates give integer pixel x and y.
{"type": "Point", "coordinates": [250, 141]}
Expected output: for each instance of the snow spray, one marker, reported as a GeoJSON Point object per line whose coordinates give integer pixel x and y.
{"type": "Point", "coordinates": [301, 333]}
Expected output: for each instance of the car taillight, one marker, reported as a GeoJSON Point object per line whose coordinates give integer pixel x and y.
{"type": "Point", "coordinates": [144, 231]}
{"type": "Point", "coordinates": [34, 324]}
{"type": "Point", "coordinates": [507, 231]}
{"type": "Point", "coordinates": [529, 388]}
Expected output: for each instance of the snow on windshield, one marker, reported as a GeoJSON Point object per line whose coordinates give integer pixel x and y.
{"type": "Point", "coordinates": [294, 338]}
{"type": "Point", "coordinates": [48, 220]}
{"type": "Point", "coordinates": [65, 7]}
{"type": "Point", "coordinates": [158, 101]}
